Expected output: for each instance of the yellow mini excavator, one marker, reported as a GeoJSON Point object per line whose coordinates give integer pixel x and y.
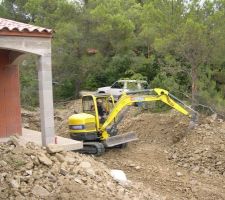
{"type": "Point", "coordinates": [97, 125]}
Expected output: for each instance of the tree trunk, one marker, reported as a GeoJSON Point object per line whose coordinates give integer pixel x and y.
{"type": "Point", "coordinates": [194, 86]}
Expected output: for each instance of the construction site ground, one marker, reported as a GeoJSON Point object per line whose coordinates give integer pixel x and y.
{"type": "Point", "coordinates": [170, 160]}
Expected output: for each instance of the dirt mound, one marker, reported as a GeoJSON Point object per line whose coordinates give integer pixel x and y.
{"type": "Point", "coordinates": [31, 119]}
{"type": "Point", "coordinates": [159, 128]}
{"type": "Point", "coordinates": [171, 159]}
{"type": "Point", "coordinates": [31, 172]}
{"type": "Point", "coordinates": [203, 151]}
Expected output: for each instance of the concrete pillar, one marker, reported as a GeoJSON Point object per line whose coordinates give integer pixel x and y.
{"type": "Point", "coordinates": [46, 99]}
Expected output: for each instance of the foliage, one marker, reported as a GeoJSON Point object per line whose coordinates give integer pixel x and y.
{"type": "Point", "coordinates": [176, 45]}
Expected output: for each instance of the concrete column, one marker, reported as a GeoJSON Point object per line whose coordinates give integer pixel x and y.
{"type": "Point", "coordinates": [46, 99]}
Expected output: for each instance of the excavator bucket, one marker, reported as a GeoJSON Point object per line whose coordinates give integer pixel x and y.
{"type": "Point", "coordinates": [120, 139]}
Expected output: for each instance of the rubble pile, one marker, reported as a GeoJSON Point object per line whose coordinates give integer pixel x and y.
{"type": "Point", "coordinates": [32, 172]}
{"type": "Point", "coordinates": [203, 150]}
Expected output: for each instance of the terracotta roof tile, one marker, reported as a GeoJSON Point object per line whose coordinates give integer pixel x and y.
{"type": "Point", "coordinates": [10, 25]}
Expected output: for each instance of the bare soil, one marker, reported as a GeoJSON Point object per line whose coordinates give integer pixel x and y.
{"type": "Point", "coordinates": [169, 159]}
{"type": "Point", "coordinates": [172, 160]}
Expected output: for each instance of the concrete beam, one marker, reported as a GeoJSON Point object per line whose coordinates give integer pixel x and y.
{"type": "Point", "coordinates": [38, 46]}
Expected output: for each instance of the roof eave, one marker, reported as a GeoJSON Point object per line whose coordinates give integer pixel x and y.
{"type": "Point", "coordinates": [26, 34]}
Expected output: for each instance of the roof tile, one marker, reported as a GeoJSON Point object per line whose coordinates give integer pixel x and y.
{"type": "Point", "coordinates": [10, 25]}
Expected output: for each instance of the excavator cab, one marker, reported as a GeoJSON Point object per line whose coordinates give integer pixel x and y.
{"type": "Point", "coordinates": [96, 108]}
{"type": "Point", "coordinates": [99, 106]}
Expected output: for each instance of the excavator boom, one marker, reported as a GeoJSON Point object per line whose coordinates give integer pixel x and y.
{"type": "Point", "coordinates": [130, 99]}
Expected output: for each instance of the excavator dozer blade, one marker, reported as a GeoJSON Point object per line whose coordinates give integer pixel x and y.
{"type": "Point", "coordinates": [120, 139]}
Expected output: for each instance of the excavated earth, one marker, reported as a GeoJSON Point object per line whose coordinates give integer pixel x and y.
{"type": "Point", "coordinates": [169, 161]}
{"type": "Point", "coordinates": [31, 172]}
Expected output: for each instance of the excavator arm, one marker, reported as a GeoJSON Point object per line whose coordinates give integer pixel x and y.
{"type": "Point", "coordinates": [129, 99]}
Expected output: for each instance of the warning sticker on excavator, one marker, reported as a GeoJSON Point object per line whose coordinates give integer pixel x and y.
{"type": "Point", "coordinates": [137, 99]}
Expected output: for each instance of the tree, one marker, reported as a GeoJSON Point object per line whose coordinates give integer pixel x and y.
{"type": "Point", "coordinates": [14, 9]}
{"type": "Point", "coordinates": [175, 44]}
{"type": "Point", "coordinates": [113, 30]}
{"type": "Point", "coordinates": [198, 40]}
{"type": "Point", "coordinates": [193, 48]}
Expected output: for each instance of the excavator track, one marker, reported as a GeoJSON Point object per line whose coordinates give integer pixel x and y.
{"type": "Point", "coordinates": [94, 148]}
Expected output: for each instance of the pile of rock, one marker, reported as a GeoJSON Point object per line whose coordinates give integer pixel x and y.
{"type": "Point", "coordinates": [203, 151]}
{"type": "Point", "coordinates": [32, 172]}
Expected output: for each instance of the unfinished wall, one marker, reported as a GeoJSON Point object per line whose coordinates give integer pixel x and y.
{"type": "Point", "coordinates": [10, 117]}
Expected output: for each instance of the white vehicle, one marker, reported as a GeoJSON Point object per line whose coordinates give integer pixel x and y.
{"type": "Point", "coordinates": [120, 86]}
